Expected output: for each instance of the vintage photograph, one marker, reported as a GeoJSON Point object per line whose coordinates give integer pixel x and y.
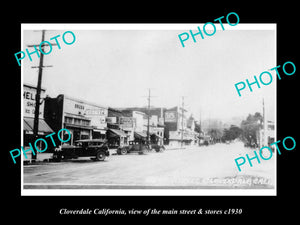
{"type": "Point", "coordinates": [125, 109]}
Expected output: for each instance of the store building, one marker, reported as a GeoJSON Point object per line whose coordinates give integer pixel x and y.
{"type": "Point", "coordinates": [29, 98]}
{"type": "Point", "coordinates": [138, 118]}
{"type": "Point", "coordinates": [180, 129]}
{"type": "Point", "coordinates": [191, 133]}
{"type": "Point", "coordinates": [266, 135]}
{"type": "Point", "coordinates": [84, 120]}
{"type": "Point", "coordinates": [140, 121]}
{"type": "Point", "coordinates": [119, 128]}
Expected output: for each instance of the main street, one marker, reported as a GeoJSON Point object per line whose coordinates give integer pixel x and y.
{"type": "Point", "coordinates": [193, 167]}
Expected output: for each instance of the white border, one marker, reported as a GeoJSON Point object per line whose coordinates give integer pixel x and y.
{"type": "Point", "coordinates": [146, 192]}
{"type": "Point", "coordinates": [143, 26]}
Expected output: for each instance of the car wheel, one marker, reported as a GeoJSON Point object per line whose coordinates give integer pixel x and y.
{"type": "Point", "coordinates": [123, 151]}
{"type": "Point", "coordinates": [161, 149]}
{"type": "Point", "coordinates": [100, 156]}
{"type": "Point", "coordinates": [57, 160]}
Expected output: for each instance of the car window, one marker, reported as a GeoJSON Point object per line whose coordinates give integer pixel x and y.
{"type": "Point", "coordinates": [84, 144]}
{"type": "Point", "coordinates": [79, 144]}
{"type": "Point", "coordinates": [93, 143]}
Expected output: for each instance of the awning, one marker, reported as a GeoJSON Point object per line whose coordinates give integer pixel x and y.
{"type": "Point", "coordinates": [67, 125]}
{"type": "Point", "coordinates": [26, 127]}
{"type": "Point", "coordinates": [43, 126]}
{"type": "Point", "coordinates": [100, 131]}
{"type": "Point", "coordinates": [156, 135]}
{"type": "Point", "coordinates": [140, 134]}
{"type": "Point", "coordinates": [115, 132]}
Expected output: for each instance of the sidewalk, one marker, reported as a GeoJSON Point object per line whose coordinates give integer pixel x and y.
{"type": "Point", "coordinates": [185, 147]}
{"type": "Point", "coordinates": [41, 157]}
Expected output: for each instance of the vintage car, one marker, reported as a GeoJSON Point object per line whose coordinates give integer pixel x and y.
{"type": "Point", "coordinates": [157, 147]}
{"type": "Point", "coordinates": [97, 148]}
{"type": "Point", "coordinates": [139, 148]}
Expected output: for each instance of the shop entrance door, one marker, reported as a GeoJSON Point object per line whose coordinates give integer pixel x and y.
{"type": "Point", "coordinates": [76, 135]}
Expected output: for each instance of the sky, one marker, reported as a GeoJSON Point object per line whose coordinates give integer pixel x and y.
{"type": "Point", "coordinates": [116, 68]}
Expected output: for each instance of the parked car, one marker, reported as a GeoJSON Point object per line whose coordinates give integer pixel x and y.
{"type": "Point", "coordinates": [157, 147]}
{"type": "Point", "coordinates": [138, 147]}
{"type": "Point", "coordinates": [132, 147]}
{"type": "Point", "coordinates": [97, 148]}
{"type": "Point", "coordinates": [204, 141]}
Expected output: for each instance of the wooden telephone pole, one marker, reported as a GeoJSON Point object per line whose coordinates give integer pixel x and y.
{"type": "Point", "coordinates": [264, 137]}
{"type": "Point", "coordinates": [148, 116]}
{"type": "Point", "coordinates": [182, 117]}
{"type": "Point", "coordinates": [38, 93]}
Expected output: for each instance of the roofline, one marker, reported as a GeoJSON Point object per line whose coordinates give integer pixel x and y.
{"type": "Point", "coordinates": [91, 140]}
{"type": "Point", "coordinates": [32, 86]}
{"type": "Point", "coordinates": [83, 101]}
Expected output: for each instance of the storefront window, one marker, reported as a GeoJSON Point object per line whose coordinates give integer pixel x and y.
{"type": "Point", "coordinates": [84, 137]}
{"type": "Point", "coordinates": [77, 121]}
{"type": "Point", "coordinates": [66, 136]}
{"type": "Point", "coordinates": [68, 119]}
{"type": "Point", "coordinates": [85, 122]}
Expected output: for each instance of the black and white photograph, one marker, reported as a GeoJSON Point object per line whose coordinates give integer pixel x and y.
{"type": "Point", "coordinates": [149, 109]}
{"type": "Point", "coordinates": [151, 112]}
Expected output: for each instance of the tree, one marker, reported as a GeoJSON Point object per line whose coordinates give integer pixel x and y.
{"type": "Point", "coordinates": [235, 131]}
{"type": "Point", "coordinates": [215, 134]}
{"type": "Point", "coordinates": [250, 128]}
{"type": "Point", "coordinates": [198, 128]}
{"type": "Point", "coordinates": [232, 133]}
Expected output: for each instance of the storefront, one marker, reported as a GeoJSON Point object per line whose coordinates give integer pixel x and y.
{"type": "Point", "coordinates": [120, 128]}
{"type": "Point", "coordinates": [84, 120]}
{"type": "Point", "coordinates": [135, 124]}
{"type": "Point", "coordinates": [127, 124]}
{"type": "Point", "coordinates": [157, 135]}
{"type": "Point", "coordinates": [140, 137]}
{"type": "Point", "coordinates": [116, 138]}
{"type": "Point", "coordinates": [29, 92]}
{"type": "Point", "coordinates": [181, 130]}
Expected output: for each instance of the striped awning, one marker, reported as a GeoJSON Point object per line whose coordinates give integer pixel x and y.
{"type": "Point", "coordinates": [43, 126]}
{"type": "Point", "coordinates": [115, 132]}
{"type": "Point", "coordinates": [140, 135]}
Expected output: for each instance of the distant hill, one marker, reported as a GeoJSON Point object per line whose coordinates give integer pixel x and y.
{"type": "Point", "coordinates": [221, 123]}
{"type": "Point", "coordinates": [236, 120]}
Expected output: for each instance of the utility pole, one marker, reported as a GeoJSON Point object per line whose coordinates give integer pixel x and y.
{"type": "Point", "coordinates": [182, 117]}
{"type": "Point", "coordinates": [200, 128]}
{"type": "Point", "coordinates": [264, 142]}
{"type": "Point", "coordinates": [148, 122]}
{"type": "Point", "coordinates": [200, 125]}
{"type": "Point", "coordinates": [38, 93]}
{"type": "Point", "coordinates": [148, 116]}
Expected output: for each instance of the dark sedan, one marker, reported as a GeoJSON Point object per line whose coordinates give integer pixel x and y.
{"type": "Point", "coordinates": [96, 148]}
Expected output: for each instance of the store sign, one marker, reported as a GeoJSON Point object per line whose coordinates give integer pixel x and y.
{"type": "Point", "coordinates": [80, 108]}
{"type": "Point", "coordinates": [100, 112]}
{"type": "Point", "coordinates": [29, 101]}
{"type": "Point", "coordinates": [111, 119]}
{"type": "Point", "coordinates": [96, 114]}
{"type": "Point", "coordinates": [127, 122]}
{"type": "Point", "coordinates": [170, 116]}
